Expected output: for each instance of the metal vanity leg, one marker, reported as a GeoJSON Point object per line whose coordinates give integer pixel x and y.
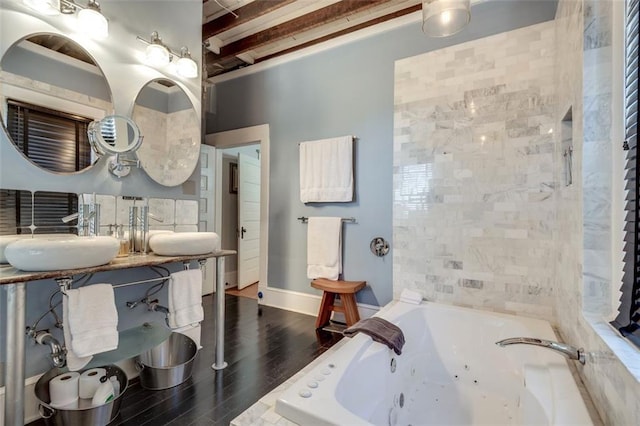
{"type": "Point", "coordinates": [219, 363]}
{"type": "Point", "coordinates": [14, 373]}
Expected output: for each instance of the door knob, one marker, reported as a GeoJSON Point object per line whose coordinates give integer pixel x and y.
{"type": "Point", "coordinates": [242, 231]}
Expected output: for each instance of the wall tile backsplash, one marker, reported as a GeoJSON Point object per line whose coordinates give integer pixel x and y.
{"type": "Point", "coordinates": [474, 217]}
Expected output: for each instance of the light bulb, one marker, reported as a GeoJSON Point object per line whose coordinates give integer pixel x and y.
{"type": "Point", "coordinates": [185, 66]}
{"type": "Point", "coordinates": [445, 17]}
{"type": "Point", "coordinates": [157, 55]}
{"type": "Point", "coordinates": [93, 23]}
{"type": "Point", "coordinates": [46, 7]}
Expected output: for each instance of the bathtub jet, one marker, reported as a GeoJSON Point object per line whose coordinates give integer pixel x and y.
{"type": "Point", "coordinates": [567, 350]}
{"type": "Point", "coordinates": [450, 372]}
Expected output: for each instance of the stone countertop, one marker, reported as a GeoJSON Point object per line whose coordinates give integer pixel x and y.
{"type": "Point", "coordinates": [263, 412]}
{"type": "Point", "coordinates": [11, 275]}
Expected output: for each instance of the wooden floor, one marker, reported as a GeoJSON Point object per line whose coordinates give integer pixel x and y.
{"type": "Point", "coordinates": [264, 346]}
{"type": "Point", "coordinates": [250, 291]}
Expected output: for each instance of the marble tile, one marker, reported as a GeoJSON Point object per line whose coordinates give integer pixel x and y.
{"type": "Point", "coordinates": [471, 145]}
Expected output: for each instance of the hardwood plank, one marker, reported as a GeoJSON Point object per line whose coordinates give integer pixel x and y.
{"type": "Point", "coordinates": [264, 346]}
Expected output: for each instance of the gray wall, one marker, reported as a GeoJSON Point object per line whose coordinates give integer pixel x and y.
{"type": "Point", "coordinates": [347, 90]}
{"type": "Point", "coordinates": [24, 62]}
{"type": "Point", "coordinates": [162, 101]}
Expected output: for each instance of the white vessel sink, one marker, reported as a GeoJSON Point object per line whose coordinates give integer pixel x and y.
{"type": "Point", "coordinates": [6, 239]}
{"type": "Point", "coordinates": [184, 243]}
{"type": "Point", "coordinates": [53, 254]}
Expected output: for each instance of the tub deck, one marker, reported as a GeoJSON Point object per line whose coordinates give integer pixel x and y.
{"type": "Point", "coordinates": [263, 411]}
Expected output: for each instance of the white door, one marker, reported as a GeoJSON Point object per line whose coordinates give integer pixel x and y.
{"type": "Point", "coordinates": [207, 210]}
{"type": "Point", "coordinates": [248, 220]}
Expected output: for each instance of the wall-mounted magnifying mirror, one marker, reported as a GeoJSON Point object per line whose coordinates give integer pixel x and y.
{"type": "Point", "coordinates": [52, 89]}
{"type": "Point", "coordinates": [114, 134]}
{"type": "Point", "coordinates": [118, 136]}
{"type": "Point", "coordinates": [171, 127]}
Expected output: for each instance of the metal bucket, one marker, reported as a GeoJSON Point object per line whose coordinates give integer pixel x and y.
{"type": "Point", "coordinates": [86, 414]}
{"type": "Point", "coordinates": [168, 364]}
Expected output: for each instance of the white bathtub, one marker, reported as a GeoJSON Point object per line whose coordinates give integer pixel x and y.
{"type": "Point", "coordinates": [450, 372]}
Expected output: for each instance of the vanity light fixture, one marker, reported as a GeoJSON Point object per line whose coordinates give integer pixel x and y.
{"type": "Point", "coordinates": [156, 54]}
{"type": "Point", "coordinates": [159, 54]}
{"type": "Point", "coordinates": [185, 66]}
{"type": "Point", "coordinates": [442, 18]}
{"type": "Point", "coordinates": [91, 21]}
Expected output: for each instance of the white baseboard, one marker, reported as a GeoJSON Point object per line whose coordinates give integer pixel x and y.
{"type": "Point", "coordinates": [30, 402]}
{"type": "Point", "coordinates": [305, 303]}
{"type": "Point", "coordinates": [230, 279]}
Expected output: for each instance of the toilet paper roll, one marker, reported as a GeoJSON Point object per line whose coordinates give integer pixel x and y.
{"type": "Point", "coordinates": [63, 389]}
{"type": "Point", "coordinates": [89, 382]}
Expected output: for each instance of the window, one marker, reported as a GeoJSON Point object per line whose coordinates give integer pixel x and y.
{"type": "Point", "coordinates": [53, 140]}
{"type": "Point", "coordinates": [628, 319]}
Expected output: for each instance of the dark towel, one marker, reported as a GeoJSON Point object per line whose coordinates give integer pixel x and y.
{"type": "Point", "coordinates": [380, 330]}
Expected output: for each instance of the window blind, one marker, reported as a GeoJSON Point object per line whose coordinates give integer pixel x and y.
{"type": "Point", "coordinates": [628, 319]}
{"type": "Point", "coordinates": [53, 140]}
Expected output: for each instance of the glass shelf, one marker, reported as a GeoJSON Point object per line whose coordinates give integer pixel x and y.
{"type": "Point", "coordinates": [133, 342]}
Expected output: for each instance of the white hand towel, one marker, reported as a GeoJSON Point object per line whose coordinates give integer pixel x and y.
{"type": "Point", "coordinates": [185, 298]}
{"type": "Point", "coordinates": [74, 363]}
{"type": "Point", "coordinates": [326, 170]}
{"type": "Point", "coordinates": [92, 319]}
{"type": "Point", "coordinates": [324, 247]}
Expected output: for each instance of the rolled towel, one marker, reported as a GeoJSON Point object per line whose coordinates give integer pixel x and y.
{"type": "Point", "coordinates": [410, 296]}
{"type": "Point", "coordinates": [380, 330]}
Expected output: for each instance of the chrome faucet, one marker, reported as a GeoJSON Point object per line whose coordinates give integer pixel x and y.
{"type": "Point", "coordinates": [566, 350]}
{"type": "Point", "coordinates": [88, 216]}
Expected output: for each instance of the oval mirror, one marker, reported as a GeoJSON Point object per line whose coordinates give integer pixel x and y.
{"type": "Point", "coordinates": [171, 130]}
{"type": "Point", "coordinates": [52, 89]}
{"type": "Point", "coordinates": [114, 134]}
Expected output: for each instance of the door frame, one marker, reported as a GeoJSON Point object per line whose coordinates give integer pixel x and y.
{"type": "Point", "coordinates": [234, 138]}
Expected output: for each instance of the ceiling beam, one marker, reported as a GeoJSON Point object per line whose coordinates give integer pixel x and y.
{"type": "Point", "coordinates": [245, 14]}
{"type": "Point", "coordinates": [345, 31]}
{"type": "Point", "coordinates": [326, 15]}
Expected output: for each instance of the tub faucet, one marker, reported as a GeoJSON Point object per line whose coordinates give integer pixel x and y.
{"type": "Point", "coordinates": [566, 350]}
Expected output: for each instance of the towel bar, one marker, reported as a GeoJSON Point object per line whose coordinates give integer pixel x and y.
{"type": "Point", "coordinates": [305, 219]}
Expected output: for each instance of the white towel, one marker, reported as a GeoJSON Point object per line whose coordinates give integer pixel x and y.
{"type": "Point", "coordinates": [90, 321]}
{"type": "Point", "coordinates": [74, 363]}
{"type": "Point", "coordinates": [185, 298]}
{"type": "Point", "coordinates": [324, 247]}
{"type": "Point", "coordinates": [326, 170]}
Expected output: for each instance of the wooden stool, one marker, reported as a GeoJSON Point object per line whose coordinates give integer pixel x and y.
{"type": "Point", "coordinates": [347, 291]}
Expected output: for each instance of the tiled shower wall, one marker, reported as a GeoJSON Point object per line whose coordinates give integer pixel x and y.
{"type": "Point", "coordinates": [474, 211]}
{"type": "Point", "coordinates": [584, 33]}
{"type": "Point", "coordinates": [484, 212]}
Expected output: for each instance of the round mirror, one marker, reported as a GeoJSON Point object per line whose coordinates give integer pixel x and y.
{"type": "Point", "coordinates": [52, 90]}
{"type": "Point", "coordinates": [114, 134]}
{"type": "Point", "coordinates": [171, 130]}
